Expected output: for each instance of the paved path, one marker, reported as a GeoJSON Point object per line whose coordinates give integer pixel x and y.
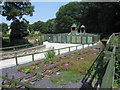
{"type": "Point", "coordinates": [26, 59]}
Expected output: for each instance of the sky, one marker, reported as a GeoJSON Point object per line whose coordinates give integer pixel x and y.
{"type": "Point", "coordinates": [43, 11]}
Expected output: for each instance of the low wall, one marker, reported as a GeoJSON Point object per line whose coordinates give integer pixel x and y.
{"type": "Point", "coordinates": [24, 51]}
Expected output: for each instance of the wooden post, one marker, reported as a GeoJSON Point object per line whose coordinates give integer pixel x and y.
{"type": "Point", "coordinates": [93, 39]}
{"type": "Point", "coordinates": [66, 38]}
{"type": "Point", "coordinates": [16, 61]}
{"type": "Point", "coordinates": [71, 39]}
{"type": "Point", "coordinates": [33, 57]}
{"type": "Point", "coordinates": [83, 46]}
{"type": "Point", "coordinates": [13, 77]}
{"type": "Point", "coordinates": [86, 39]}
{"type": "Point", "coordinates": [69, 49]}
{"type": "Point", "coordinates": [76, 39]}
{"type": "Point", "coordinates": [81, 39]}
{"type": "Point", "coordinates": [26, 45]}
{"type": "Point", "coordinates": [56, 38]}
{"type": "Point", "coordinates": [6, 75]}
{"type": "Point", "coordinates": [44, 37]}
{"type": "Point", "coordinates": [14, 48]}
{"type": "Point", "coordinates": [61, 38]}
{"type": "Point", "coordinates": [58, 51]}
{"type": "Point", "coordinates": [76, 48]}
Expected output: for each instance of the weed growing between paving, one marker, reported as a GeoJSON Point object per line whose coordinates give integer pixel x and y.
{"type": "Point", "coordinates": [50, 55]}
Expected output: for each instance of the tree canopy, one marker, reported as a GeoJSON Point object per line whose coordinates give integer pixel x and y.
{"type": "Point", "coordinates": [97, 17]}
{"type": "Point", "coordinates": [14, 11]}
{"type": "Point", "coordinates": [21, 26]}
{"type": "Point", "coordinates": [4, 28]}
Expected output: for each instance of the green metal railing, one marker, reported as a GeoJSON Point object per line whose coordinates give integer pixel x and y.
{"type": "Point", "coordinates": [66, 38]}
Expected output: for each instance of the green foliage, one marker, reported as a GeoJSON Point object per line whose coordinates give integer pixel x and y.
{"type": "Point", "coordinates": [44, 27]}
{"type": "Point", "coordinates": [50, 53]}
{"type": "Point", "coordinates": [62, 83]}
{"type": "Point", "coordinates": [19, 29]}
{"type": "Point", "coordinates": [47, 60]}
{"type": "Point", "coordinates": [15, 10]}
{"type": "Point", "coordinates": [38, 26]}
{"type": "Point", "coordinates": [54, 80]}
{"type": "Point", "coordinates": [50, 26]}
{"type": "Point", "coordinates": [115, 83]}
{"type": "Point", "coordinates": [4, 28]}
{"type": "Point", "coordinates": [92, 15]}
{"type": "Point", "coordinates": [54, 59]}
{"type": "Point", "coordinates": [39, 77]}
{"type": "Point", "coordinates": [26, 70]}
{"type": "Point", "coordinates": [71, 76]}
{"type": "Point", "coordinates": [34, 35]}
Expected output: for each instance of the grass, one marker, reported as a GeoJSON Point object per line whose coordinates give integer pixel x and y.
{"type": "Point", "coordinates": [62, 83]}
{"type": "Point", "coordinates": [71, 76]}
{"type": "Point", "coordinates": [5, 37]}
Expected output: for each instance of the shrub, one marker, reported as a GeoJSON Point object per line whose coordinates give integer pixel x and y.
{"type": "Point", "coordinates": [39, 75]}
{"type": "Point", "coordinates": [50, 53]}
{"type": "Point", "coordinates": [27, 70]}
{"type": "Point", "coordinates": [47, 61]}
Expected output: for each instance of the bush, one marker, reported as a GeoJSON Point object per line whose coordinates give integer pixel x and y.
{"type": "Point", "coordinates": [47, 61]}
{"type": "Point", "coordinates": [27, 70]}
{"type": "Point", "coordinates": [50, 53]}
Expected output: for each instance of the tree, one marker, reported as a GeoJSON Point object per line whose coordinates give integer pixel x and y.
{"type": "Point", "coordinates": [14, 11]}
{"type": "Point", "coordinates": [67, 15]}
{"type": "Point", "coordinates": [21, 26]}
{"type": "Point", "coordinates": [97, 17]}
{"type": "Point", "coordinates": [38, 26]}
{"type": "Point", "coordinates": [4, 27]}
{"type": "Point", "coordinates": [50, 26]}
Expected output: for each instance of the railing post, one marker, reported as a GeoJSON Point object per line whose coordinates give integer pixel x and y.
{"type": "Point", "coordinates": [83, 46]}
{"type": "Point", "coordinates": [26, 46]}
{"type": "Point", "coordinates": [58, 51]}
{"type": "Point", "coordinates": [14, 48]}
{"type": "Point", "coordinates": [69, 49]}
{"type": "Point", "coordinates": [16, 61]}
{"type": "Point", "coordinates": [33, 57]}
{"type": "Point", "coordinates": [76, 39]}
{"type": "Point", "coordinates": [88, 45]}
{"type": "Point", "coordinates": [76, 48]}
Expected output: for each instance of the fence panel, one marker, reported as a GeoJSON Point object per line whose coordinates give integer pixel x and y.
{"type": "Point", "coordinates": [89, 39]}
{"type": "Point", "coordinates": [73, 39]}
{"type": "Point", "coordinates": [68, 39]}
{"type": "Point", "coordinates": [59, 38]}
{"type": "Point", "coordinates": [78, 39]}
{"type": "Point", "coordinates": [42, 38]}
{"type": "Point", "coordinates": [83, 39]}
{"type": "Point", "coordinates": [50, 38]}
{"type": "Point", "coordinates": [54, 38]}
{"type": "Point", "coordinates": [63, 38]}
